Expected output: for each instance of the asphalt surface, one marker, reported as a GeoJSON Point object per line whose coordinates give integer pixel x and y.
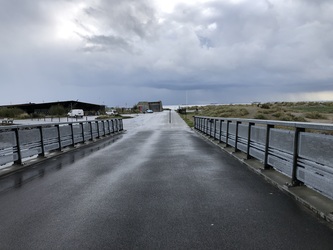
{"type": "Point", "coordinates": [158, 186]}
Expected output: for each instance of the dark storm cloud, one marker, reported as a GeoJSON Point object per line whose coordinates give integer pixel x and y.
{"type": "Point", "coordinates": [283, 43]}
{"type": "Point", "coordinates": [131, 50]}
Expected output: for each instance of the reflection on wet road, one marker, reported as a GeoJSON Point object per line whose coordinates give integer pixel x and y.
{"type": "Point", "coordinates": [19, 178]}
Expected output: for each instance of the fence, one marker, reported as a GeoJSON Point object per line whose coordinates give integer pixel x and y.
{"type": "Point", "coordinates": [18, 143]}
{"type": "Point", "coordinates": [292, 148]}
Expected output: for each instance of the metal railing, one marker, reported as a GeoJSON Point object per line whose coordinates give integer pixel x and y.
{"type": "Point", "coordinates": [18, 143]}
{"type": "Point", "coordinates": [293, 148]}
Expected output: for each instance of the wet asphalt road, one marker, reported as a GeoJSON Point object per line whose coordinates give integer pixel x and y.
{"type": "Point", "coordinates": [158, 186]}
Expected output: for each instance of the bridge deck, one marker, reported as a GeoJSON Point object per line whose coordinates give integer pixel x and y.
{"type": "Point", "coordinates": [160, 186]}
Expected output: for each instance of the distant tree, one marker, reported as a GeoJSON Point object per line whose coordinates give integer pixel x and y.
{"type": "Point", "coordinates": [57, 110]}
{"type": "Point", "coordinates": [10, 112]}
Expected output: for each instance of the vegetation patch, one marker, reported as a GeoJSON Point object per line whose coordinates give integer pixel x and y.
{"type": "Point", "coordinates": [282, 111]}
{"type": "Point", "coordinates": [315, 115]}
{"type": "Point", "coordinates": [188, 119]}
{"type": "Point", "coordinates": [260, 117]}
{"type": "Point", "coordinates": [11, 112]}
{"type": "Point", "coordinates": [108, 117]}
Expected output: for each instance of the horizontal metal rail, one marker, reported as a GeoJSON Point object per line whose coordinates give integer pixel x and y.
{"type": "Point", "coordinates": [20, 142]}
{"type": "Point", "coordinates": [295, 149]}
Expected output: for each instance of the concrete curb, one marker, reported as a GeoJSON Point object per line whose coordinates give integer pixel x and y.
{"type": "Point", "coordinates": [317, 203]}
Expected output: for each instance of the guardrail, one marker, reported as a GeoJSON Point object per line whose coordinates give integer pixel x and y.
{"type": "Point", "coordinates": [18, 143]}
{"type": "Point", "coordinates": [293, 148]}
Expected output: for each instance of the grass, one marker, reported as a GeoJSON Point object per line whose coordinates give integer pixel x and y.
{"type": "Point", "coordinates": [283, 111]}
{"type": "Point", "coordinates": [313, 107]}
{"type": "Point", "coordinates": [104, 117]}
{"type": "Point", "coordinates": [188, 119]}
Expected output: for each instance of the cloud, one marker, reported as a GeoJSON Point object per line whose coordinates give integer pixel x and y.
{"type": "Point", "coordinates": [110, 25]}
{"type": "Point", "coordinates": [223, 51]}
{"type": "Point", "coordinates": [258, 37]}
{"type": "Point", "coordinates": [105, 43]}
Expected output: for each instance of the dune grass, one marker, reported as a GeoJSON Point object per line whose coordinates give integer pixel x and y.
{"type": "Point", "coordinates": [282, 111]}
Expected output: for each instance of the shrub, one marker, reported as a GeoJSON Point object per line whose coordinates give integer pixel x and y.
{"type": "Point", "coordinates": [243, 112]}
{"type": "Point", "coordinates": [57, 110]}
{"type": "Point", "coordinates": [23, 116]}
{"type": "Point", "coordinates": [260, 117]}
{"type": "Point", "coordinates": [103, 117]}
{"type": "Point", "coordinates": [300, 119]}
{"type": "Point", "coordinates": [266, 112]}
{"type": "Point", "coordinates": [277, 114]}
{"type": "Point", "coordinates": [291, 117]}
{"type": "Point", "coordinates": [11, 112]}
{"type": "Point", "coordinates": [265, 106]}
{"type": "Point", "coordinates": [36, 115]}
{"type": "Point", "coordinates": [315, 115]}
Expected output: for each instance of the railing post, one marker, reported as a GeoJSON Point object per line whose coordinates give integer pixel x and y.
{"type": "Point", "coordinates": [91, 131]}
{"type": "Point", "coordinates": [220, 137]}
{"type": "Point", "coordinates": [112, 125]}
{"type": "Point", "coordinates": [249, 140]}
{"type": "Point", "coordinates": [211, 132]}
{"type": "Point", "coordinates": [120, 124]}
{"type": "Point", "coordinates": [206, 126]}
{"type": "Point", "coordinates": [59, 137]}
{"type": "Point", "coordinates": [72, 130]}
{"type": "Point", "coordinates": [268, 129]}
{"type": "Point", "coordinates": [104, 128]}
{"type": "Point", "coordinates": [236, 136]}
{"type": "Point", "coordinates": [294, 180]}
{"type": "Point", "coordinates": [98, 133]}
{"type": "Point", "coordinates": [203, 125]}
{"type": "Point", "coordinates": [227, 134]}
{"type": "Point", "coordinates": [214, 129]}
{"type": "Point", "coordinates": [108, 122]}
{"type": "Point", "coordinates": [42, 141]}
{"type": "Point", "coordinates": [82, 128]}
{"type": "Point", "coordinates": [18, 146]}
{"type": "Point", "coordinates": [200, 124]}
{"type": "Point", "coordinates": [117, 125]}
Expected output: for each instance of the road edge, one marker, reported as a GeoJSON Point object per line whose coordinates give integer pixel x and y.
{"type": "Point", "coordinates": [317, 203]}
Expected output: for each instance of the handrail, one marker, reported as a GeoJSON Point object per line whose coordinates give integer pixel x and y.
{"type": "Point", "coordinates": [292, 148]}
{"type": "Point", "coordinates": [308, 125]}
{"type": "Point", "coordinates": [20, 142]}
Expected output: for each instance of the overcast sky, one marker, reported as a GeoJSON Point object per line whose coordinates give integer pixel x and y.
{"type": "Point", "coordinates": [117, 53]}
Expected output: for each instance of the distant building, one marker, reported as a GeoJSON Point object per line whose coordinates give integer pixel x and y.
{"type": "Point", "coordinates": [43, 108]}
{"type": "Point", "coordinates": [154, 106]}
